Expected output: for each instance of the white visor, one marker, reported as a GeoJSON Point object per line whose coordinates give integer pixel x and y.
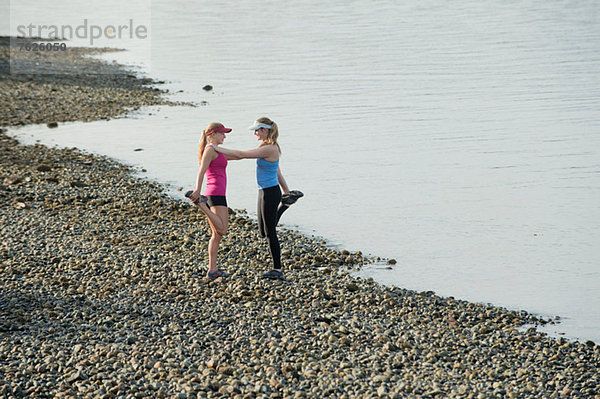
{"type": "Point", "coordinates": [257, 125]}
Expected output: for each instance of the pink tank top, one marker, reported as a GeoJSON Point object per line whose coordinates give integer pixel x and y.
{"type": "Point", "coordinates": [216, 178]}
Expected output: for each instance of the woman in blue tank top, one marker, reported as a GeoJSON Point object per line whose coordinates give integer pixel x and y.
{"type": "Point", "coordinates": [271, 203]}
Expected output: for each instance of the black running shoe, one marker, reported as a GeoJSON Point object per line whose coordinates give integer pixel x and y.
{"type": "Point", "coordinates": [216, 274]}
{"type": "Point", "coordinates": [291, 197]}
{"type": "Point", "coordinates": [274, 275]}
{"type": "Point", "coordinates": [201, 199]}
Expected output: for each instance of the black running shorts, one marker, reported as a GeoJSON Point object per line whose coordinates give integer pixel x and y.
{"type": "Point", "coordinates": [216, 200]}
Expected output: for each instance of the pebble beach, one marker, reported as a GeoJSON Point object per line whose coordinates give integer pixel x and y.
{"type": "Point", "coordinates": [103, 292]}
{"type": "Point", "coordinates": [71, 85]}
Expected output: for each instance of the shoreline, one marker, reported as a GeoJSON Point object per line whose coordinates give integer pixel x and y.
{"type": "Point", "coordinates": [69, 86]}
{"type": "Point", "coordinates": [103, 294]}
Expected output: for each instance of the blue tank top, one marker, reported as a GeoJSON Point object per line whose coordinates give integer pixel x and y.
{"type": "Point", "coordinates": [266, 173]}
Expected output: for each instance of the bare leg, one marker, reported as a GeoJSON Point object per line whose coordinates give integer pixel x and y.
{"type": "Point", "coordinates": [218, 221]}
{"type": "Point", "coordinates": [221, 214]}
{"type": "Point", "coordinates": [213, 249]}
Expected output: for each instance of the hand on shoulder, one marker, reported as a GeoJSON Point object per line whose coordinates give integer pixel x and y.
{"type": "Point", "coordinates": [272, 150]}
{"type": "Point", "coordinates": [210, 152]}
{"type": "Point", "coordinates": [212, 148]}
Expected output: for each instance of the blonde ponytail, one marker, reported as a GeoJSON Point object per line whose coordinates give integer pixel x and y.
{"type": "Point", "coordinates": [204, 139]}
{"type": "Point", "coordinates": [273, 134]}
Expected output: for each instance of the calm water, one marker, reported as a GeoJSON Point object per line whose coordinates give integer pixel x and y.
{"type": "Point", "coordinates": [461, 139]}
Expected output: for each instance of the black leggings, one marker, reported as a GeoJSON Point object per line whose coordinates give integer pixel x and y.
{"type": "Point", "coordinates": [268, 216]}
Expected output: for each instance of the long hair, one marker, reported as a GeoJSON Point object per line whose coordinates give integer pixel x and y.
{"type": "Point", "coordinates": [273, 134]}
{"type": "Point", "coordinates": [204, 139]}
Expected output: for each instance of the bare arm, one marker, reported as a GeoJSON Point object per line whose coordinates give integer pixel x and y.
{"type": "Point", "coordinates": [231, 157]}
{"type": "Point", "coordinates": [230, 154]}
{"type": "Point", "coordinates": [282, 181]}
{"type": "Point", "coordinates": [268, 152]}
{"type": "Point", "coordinates": [207, 158]}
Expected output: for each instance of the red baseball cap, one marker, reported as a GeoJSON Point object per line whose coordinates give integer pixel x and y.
{"type": "Point", "coordinates": [218, 129]}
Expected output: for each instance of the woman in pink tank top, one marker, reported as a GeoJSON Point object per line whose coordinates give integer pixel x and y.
{"type": "Point", "coordinates": [213, 203]}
